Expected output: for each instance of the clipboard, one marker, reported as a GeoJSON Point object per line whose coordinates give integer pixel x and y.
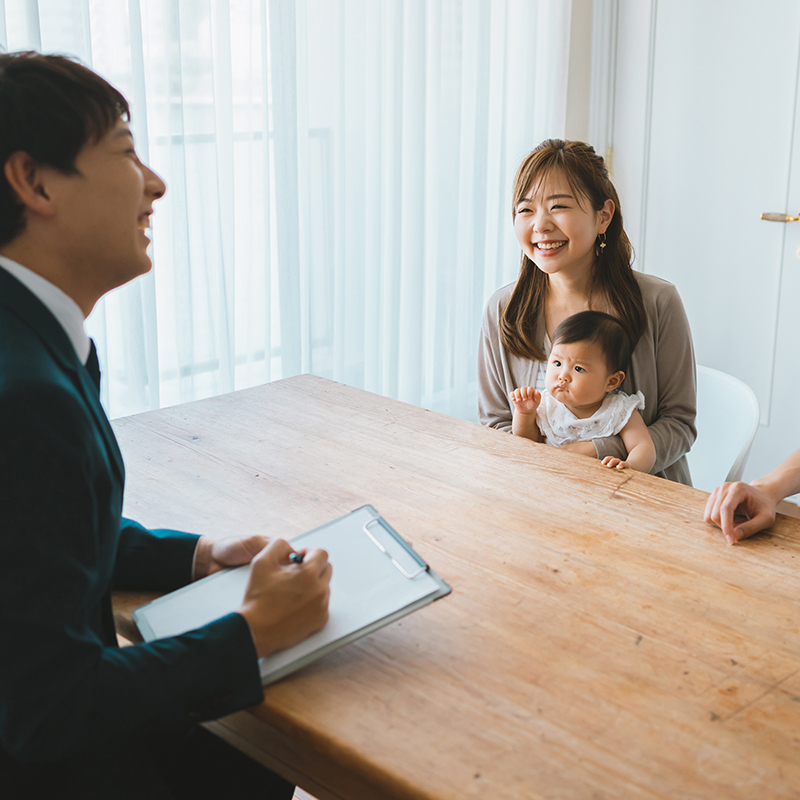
{"type": "Point", "coordinates": [377, 579]}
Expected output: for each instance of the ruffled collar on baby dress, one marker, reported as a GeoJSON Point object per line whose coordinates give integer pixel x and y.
{"type": "Point", "coordinates": [560, 426]}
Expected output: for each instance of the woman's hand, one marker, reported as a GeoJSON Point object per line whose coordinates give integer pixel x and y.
{"type": "Point", "coordinates": [740, 510]}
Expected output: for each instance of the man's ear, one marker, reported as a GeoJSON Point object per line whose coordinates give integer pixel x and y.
{"type": "Point", "coordinates": [28, 178]}
{"type": "Point", "coordinates": [615, 381]}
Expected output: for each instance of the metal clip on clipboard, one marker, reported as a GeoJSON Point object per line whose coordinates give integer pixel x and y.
{"type": "Point", "coordinates": [395, 537]}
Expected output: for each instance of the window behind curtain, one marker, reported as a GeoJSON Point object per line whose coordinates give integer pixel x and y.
{"type": "Point", "coordinates": [339, 181]}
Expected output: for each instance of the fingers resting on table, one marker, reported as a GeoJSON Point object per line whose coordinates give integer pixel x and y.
{"type": "Point", "coordinates": [739, 510]}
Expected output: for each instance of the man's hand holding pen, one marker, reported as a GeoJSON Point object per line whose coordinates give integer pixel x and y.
{"type": "Point", "coordinates": [286, 599]}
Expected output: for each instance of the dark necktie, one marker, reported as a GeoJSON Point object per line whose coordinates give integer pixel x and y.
{"type": "Point", "coordinates": [93, 365]}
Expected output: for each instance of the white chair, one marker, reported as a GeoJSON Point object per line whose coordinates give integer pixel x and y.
{"type": "Point", "coordinates": [727, 421]}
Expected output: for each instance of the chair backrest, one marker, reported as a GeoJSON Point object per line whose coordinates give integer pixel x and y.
{"type": "Point", "coordinates": [727, 421]}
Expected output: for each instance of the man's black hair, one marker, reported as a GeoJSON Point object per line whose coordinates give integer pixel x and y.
{"type": "Point", "coordinates": [50, 107]}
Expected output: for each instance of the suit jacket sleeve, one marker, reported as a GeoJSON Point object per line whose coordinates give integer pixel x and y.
{"type": "Point", "coordinates": [63, 689]}
{"type": "Point", "coordinates": [153, 559]}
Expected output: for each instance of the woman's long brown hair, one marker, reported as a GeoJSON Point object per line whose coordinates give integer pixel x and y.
{"type": "Point", "coordinates": [612, 274]}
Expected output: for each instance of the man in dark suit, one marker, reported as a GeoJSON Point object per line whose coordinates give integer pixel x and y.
{"type": "Point", "coordinates": [79, 716]}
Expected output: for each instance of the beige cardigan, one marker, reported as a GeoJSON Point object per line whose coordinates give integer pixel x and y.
{"type": "Point", "coordinates": [662, 368]}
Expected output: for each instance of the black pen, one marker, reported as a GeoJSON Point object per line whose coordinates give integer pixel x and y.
{"type": "Point", "coordinates": [296, 558]}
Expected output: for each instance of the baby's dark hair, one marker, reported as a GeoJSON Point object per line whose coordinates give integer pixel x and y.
{"type": "Point", "coordinates": [602, 329]}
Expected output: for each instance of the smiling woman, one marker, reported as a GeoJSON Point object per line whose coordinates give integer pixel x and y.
{"type": "Point", "coordinates": [557, 230]}
{"type": "Point", "coordinates": [576, 257]}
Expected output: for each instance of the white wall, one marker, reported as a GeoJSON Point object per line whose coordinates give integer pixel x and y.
{"type": "Point", "coordinates": [702, 114]}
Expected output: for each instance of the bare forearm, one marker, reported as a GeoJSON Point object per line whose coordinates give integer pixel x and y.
{"type": "Point", "coordinates": [581, 448]}
{"type": "Point", "coordinates": [783, 480]}
{"type": "Point", "coordinates": [642, 457]}
{"type": "Point", "coordinates": [525, 425]}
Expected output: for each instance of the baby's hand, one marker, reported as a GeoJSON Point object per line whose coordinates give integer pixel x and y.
{"type": "Point", "coordinates": [526, 399]}
{"type": "Point", "coordinates": [610, 461]}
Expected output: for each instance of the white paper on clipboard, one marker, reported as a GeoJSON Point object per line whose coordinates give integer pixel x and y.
{"type": "Point", "coordinates": [377, 578]}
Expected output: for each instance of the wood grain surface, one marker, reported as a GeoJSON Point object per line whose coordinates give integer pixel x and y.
{"type": "Point", "coordinates": [601, 641]}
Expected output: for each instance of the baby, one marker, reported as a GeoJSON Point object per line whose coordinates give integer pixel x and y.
{"type": "Point", "coordinates": [582, 400]}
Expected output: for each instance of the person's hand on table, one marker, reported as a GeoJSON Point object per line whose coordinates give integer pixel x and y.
{"type": "Point", "coordinates": [286, 602]}
{"type": "Point", "coordinates": [740, 510]}
{"type": "Point", "coordinates": [212, 555]}
{"type": "Point", "coordinates": [614, 462]}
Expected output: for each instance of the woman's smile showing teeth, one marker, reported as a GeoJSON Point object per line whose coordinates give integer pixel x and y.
{"type": "Point", "coordinates": [556, 227]}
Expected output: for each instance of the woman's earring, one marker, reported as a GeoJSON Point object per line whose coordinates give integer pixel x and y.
{"type": "Point", "coordinates": [600, 244]}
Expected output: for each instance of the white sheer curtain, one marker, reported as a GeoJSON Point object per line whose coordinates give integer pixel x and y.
{"type": "Point", "coordinates": [339, 177]}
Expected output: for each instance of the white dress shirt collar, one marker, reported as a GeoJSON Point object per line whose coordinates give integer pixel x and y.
{"type": "Point", "coordinates": [59, 304]}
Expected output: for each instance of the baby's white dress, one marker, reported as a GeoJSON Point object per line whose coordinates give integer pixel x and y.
{"type": "Point", "coordinates": [560, 426]}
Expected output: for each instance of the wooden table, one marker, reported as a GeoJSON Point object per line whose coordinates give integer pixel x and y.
{"type": "Point", "coordinates": [601, 641]}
